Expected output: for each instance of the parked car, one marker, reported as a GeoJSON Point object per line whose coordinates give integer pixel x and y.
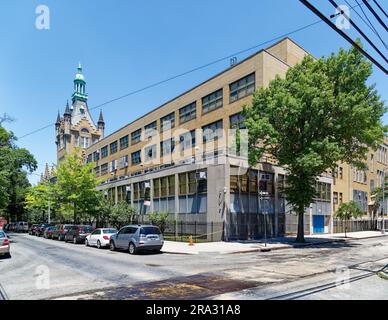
{"type": "Point", "coordinates": [32, 229]}
{"type": "Point", "coordinates": [4, 244]}
{"type": "Point", "coordinates": [100, 237]}
{"type": "Point", "coordinates": [48, 232]}
{"type": "Point", "coordinates": [77, 234]}
{"type": "Point", "coordinates": [40, 229]}
{"type": "Point", "coordinates": [135, 238]}
{"type": "Point", "coordinates": [61, 230]}
{"type": "Point", "coordinates": [21, 226]}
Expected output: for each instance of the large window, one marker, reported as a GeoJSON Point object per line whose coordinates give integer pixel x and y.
{"type": "Point", "coordinates": [104, 169]}
{"type": "Point", "coordinates": [76, 139]}
{"type": "Point", "coordinates": [150, 152]}
{"type": "Point", "coordinates": [96, 155]}
{"type": "Point", "coordinates": [242, 87]}
{"type": "Point", "coordinates": [187, 140]}
{"type": "Point", "coordinates": [150, 129]}
{"type": "Point", "coordinates": [323, 191]}
{"type": "Point", "coordinates": [136, 157]}
{"type": "Point", "coordinates": [167, 147]}
{"type": "Point", "coordinates": [97, 171]}
{"type": "Point", "coordinates": [136, 136]}
{"type": "Point", "coordinates": [85, 142]}
{"type": "Point", "coordinates": [104, 152]}
{"type": "Point", "coordinates": [89, 158]}
{"type": "Point", "coordinates": [188, 112]}
{"type": "Point", "coordinates": [167, 122]}
{"type": "Point", "coordinates": [212, 131]}
{"type": "Point", "coordinates": [212, 101]}
{"type": "Point", "coordinates": [193, 192]}
{"type": "Point", "coordinates": [236, 121]}
{"type": "Point", "coordinates": [124, 142]}
{"type": "Point", "coordinates": [113, 147]}
{"type": "Point", "coordinates": [123, 162]}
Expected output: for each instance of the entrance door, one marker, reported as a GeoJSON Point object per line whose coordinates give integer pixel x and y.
{"type": "Point", "coordinates": [318, 224]}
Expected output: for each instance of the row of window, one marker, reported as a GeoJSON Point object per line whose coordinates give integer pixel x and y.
{"type": "Point", "coordinates": [213, 101]}
{"type": "Point", "coordinates": [382, 154]}
{"type": "Point", "coordinates": [210, 132]}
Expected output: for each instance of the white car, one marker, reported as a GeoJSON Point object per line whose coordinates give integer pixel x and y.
{"type": "Point", "coordinates": [100, 237]}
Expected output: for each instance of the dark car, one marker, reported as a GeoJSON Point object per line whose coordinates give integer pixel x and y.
{"type": "Point", "coordinates": [40, 229]}
{"type": "Point", "coordinates": [61, 230]}
{"type": "Point", "coordinates": [32, 229]}
{"type": "Point", "coordinates": [48, 232]}
{"type": "Point", "coordinates": [77, 234]}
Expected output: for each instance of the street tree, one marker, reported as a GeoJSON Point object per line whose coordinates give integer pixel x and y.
{"type": "Point", "coordinates": [122, 213]}
{"type": "Point", "coordinates": [76, 187]}
{"type": "Point", "coordinates": [160, 219]}
{"type": "Point", "coordinates": [15, 164]}
{"type": "Point", "coordinates": [347, 211]}
{"type": "Point", "coordinates": [322, 112]}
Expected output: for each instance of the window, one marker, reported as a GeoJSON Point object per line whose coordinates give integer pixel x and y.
{"type": "Point", "coordinates": [150, 129]}
{"type": "Point", "coordinates": [97, 171]}
{"type": "Point", "coordinates": [188, 112]}
{"type": "Point", "coordinates": [212, 131]}
{"type": "Point", "coordinates": [104, 152]}
{"type": "Point", "coordinates": [136, 136]}
{"type": "Point", "coordinates": [236, 121]}
{"type": "Point", "coordinates": [112, 165]}
{"type": "Point", "coordinates": [76, 140]}
{"type": "Point", "coordinates": [136, 158]}
{"type": "Point", "coordinates": [104, 169]}
{"type": "Point", "coordinates": [335, 197]}
{"type": "Point", "coordinates": [212, 101]}
{"type": "Point", "coordinates": [96, 155]}
{"type": "Point", "coordinates": [113, 147]}
{"type": "Point", "coordinates": [167, 147]}
{"type": "Point", "coordinates": [89, 158]}
{"type": "Point", "coordinates": [164, 187]}
{"type": "Point", "coordinates": [124, 142]}
{"type": "Point", "coordinates": [187, 140]}
{"type": "Point", "coordinates": [150, 152]}
{"type": "Point", "coordinates": [123, 162]}
{"type": "Point", "coordinates": [84, 142]}
{"type": "Point", "coordinates": [167, 122]}
{"type": "Point", "coordinates": [84, 131]}
{"type": "Point", "coordinates": [242, 87]}
{"type": "Point", "coordinates": [323, 191]}
{"type": "Point", "coordinates": [341, 197]}
{"type": "Point", "coordinates": [341, 172]}
{"type": "Point", "coordinates": [371, 165]}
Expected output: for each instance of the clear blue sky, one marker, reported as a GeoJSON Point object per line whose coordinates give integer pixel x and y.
{"type": "Point", "coordinates": [126, 45]}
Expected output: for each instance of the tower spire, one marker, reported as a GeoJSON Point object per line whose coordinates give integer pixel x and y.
{"type": "Point", "coordinates": [79, 86]}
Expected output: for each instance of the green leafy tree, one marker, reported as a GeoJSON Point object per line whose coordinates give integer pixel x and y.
{"type": "Point", "coordinates": [322, 112]}
{"type": "Point", "coordinates": [76, 187]}
{"type": "Point", "coordinates": [15, 163]}
{"type": "Point", "coordinates": [347, 211]}
{"type": "Point", "coordinates": [122, 213]}
{"type": "Point", "coordinates": [160, 219]}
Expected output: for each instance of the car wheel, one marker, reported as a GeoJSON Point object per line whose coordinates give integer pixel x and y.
{"type": "Point", "coordinates": [65, 239]}
{"type": "Point", "coordinates": [98, 244]}
{"type": "Point", "coordinates": [132, 248]}
{"type": "Point", "coordinates": [112, 246]}
{"type": "Point", "coordinates": [75, 240]}
{"type": "Point", "coordinates": [86, 243]}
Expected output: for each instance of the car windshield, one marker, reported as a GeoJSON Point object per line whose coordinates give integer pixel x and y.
{"type": "Point", "coordinates": [150, 230]}
{"type": "Point", "coordinates": [109, 231]}
{"type": "Point", "coordinates": [67, 227]}
{"type": "Point", "coordinates": [85, 229]}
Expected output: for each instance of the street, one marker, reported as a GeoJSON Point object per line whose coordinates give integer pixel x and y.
{"type": "Point", "coordinates": [48, 269]}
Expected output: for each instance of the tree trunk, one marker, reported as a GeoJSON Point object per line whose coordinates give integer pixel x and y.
{"type": "Point", "coordinates": [300, 236]}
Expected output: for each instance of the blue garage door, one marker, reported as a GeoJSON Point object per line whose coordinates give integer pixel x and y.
{"type": "Point", "coordinates": [318, 224]}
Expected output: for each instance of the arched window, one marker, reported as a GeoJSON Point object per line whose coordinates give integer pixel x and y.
{"type": "Point", "coordinates": [85, 139]}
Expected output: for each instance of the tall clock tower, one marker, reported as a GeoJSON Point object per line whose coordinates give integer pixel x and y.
{"type": "Point", "coordinates": [76, 127]}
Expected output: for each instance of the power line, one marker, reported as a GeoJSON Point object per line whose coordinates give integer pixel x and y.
{"type": "Point", "coordinates": [343, 34]}
{"type": "Point", "coordinates": [188, 72]}
{"type": "Point", "coordinates": [370, 25]}
{"type": "Point", "coordinates": [335, 5]}
{"type": "Point", "coordinates": [380, 7]}
{"type": "Point", "coordinates": [184, 73]}
{"type": "Point", "coordinates": [375, 14]}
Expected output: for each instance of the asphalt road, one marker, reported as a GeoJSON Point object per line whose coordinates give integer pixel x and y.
{"type": "Point", "coordinates": [48, 269]}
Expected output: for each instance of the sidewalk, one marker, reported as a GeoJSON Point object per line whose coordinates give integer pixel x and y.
{"type": "Point", "coordinates": [273, 244]}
